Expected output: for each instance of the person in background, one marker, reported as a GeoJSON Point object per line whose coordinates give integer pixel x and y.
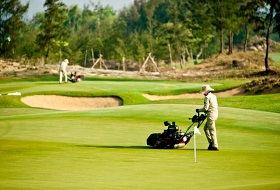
{"type": "Point", "coordinates": [211, 109]}
{"type": "Point", "coordinates": [62, 70]}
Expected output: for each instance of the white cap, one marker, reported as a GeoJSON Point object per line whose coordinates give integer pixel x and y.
{"type": "Point", "coordinates": [66, 60]}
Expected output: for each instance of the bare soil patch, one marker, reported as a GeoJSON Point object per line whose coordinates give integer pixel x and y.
{"type": "Point", "coordinates": [70, 103]}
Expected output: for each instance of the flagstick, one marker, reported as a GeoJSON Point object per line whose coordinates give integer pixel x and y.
{"type": "Point", "coordinates": [196, 131]}
{"type": "Point", "coordinates": [194, 148]}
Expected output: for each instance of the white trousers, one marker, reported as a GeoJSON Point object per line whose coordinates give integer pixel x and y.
{"type": "Point", "coordinates": [210, 132]}
{"type": "Point", "coordinates": [61, 74]}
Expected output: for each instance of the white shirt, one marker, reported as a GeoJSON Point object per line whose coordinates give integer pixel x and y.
{"type": "Point", "coordinates": [63, 66]}
{"type": "Point", "coordinates": [210, 106]}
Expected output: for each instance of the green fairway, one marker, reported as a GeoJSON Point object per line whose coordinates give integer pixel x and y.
{"type": "Point", "coordinates": [275, 57]}
{"type": "Point", "coordinates": [106, 148]}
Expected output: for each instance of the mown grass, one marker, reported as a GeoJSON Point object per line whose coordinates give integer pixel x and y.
{"type": "Point", "coordinates": [268, 102]}
{"type": "Point", "coordinates": [129, 90]}
{"type": "Point", "coordinates": [106, 148]}
{"type": "Point", "coordinates": [275, 57]}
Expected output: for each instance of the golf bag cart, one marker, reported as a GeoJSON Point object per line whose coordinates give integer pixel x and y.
{"type": "Point", "coordinates": [76, 78]}
{"type": "Point", "coordinates": [172, 137]}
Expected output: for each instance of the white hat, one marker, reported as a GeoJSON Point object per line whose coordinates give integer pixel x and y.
{"type": "Point", "coordinates": [66, 60]}
{"type": "Point", "coordinates": [206, 88]}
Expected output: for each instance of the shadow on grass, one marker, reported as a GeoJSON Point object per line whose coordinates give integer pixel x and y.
{"type": "Point", "coordinates": [117, 147]}
{"type": "Point", "coordinates": [133, 147]}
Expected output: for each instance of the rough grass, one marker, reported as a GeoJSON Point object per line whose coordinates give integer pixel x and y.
{"type": "Point", "coordinates": [223, 66]}
{"type": "Point", "coordinates": [263, 86]}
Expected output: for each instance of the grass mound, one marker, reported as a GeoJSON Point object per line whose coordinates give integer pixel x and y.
{"type": "Point", "coordinates": [223, 66]}
{"type": "Point", "coordinates": [241, 60]}
{"type": "Point", "coordinates": [264, 85]}
{"type": "Point", "coordinates": [236, 65]}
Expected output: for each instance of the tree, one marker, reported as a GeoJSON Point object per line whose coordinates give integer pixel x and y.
{"type": "Point", "coordinates": [268, 12]}
{"type": "Point", "coordinates": [119, 39]}
{"type": "Point", "coordinates": [218, 12]}
{"type": "Point", "coordinates": [150, 10]}
{"type": "Point", "coordinates": [164, 36]}
{"type": "Point", "coordinates": [248, 18]}
{"type": "Point", "coordinates": [11, 14]}
{"type": "Point", "coordinates": [272, 18]}
{"type": "Point", "coordinates": [106, 17]}
{"type": "Point", "coordinates": [171, 29]}
{"type": "Point", "coordinates": [74, 18]}
{"type": "Point", "coordinates": [52, 28]}
{"type": "Point", "coordinates": [233, 21]}
{"type": "Point", "coordinates": [27, 48]}
{"type": "Point", "coordinates": [201, 24]}
{"type": "Point", "coordinates": [137, 43]}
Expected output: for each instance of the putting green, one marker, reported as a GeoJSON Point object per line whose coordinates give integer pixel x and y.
{"type": "Point", "coordinates": [106, 149]}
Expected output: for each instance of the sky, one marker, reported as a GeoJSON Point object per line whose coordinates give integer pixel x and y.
{"type": "Point", "coordinates": [37, 5]}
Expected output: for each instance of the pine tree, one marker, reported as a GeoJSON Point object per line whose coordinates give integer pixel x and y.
{"type": "Point", "coordinates": [51, 28]}
{"type": "Point", "coordinates": [11, 21]}
{"type": "Point", "coordinates": [268, 16]}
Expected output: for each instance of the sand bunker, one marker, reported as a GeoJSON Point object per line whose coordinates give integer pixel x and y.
{"type": "Point", "coordinates": [83, 103]}
{"type": "Point", "coordinates": [70, 103]}
{"type": "Point", "coordinates": [233, 92]}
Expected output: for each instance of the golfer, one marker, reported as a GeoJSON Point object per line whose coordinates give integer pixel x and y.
{"type": "Point", "coordinates": [211, 109]}
{"type": "Point", "coordinates": [62, 70]}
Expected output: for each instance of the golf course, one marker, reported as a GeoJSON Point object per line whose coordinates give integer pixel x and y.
{"type": "Point", "coordinates": [140, 95]}
{"type": "Point", "coordinates": [105, 148]}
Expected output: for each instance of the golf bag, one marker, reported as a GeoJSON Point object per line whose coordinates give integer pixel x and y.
{"type": "Point", "coordinates": [76, 78]}
{"type": "Point", "coordinates": [172, 137]}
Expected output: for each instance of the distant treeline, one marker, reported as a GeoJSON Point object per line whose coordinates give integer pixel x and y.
{"type": "Point", "coordinates": [171, 30]}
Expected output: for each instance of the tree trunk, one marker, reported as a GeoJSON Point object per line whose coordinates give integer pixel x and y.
{"type": "Point", "coordinates": [46, 58]}
{"type": "Point", "coordinates": [246, 38]}
{"type": "Point", "coordinates": [123, 63]}
{"type": "Point", "coordinates": [267, 39]}
{"type": "Point", "coordinates": [170, 55]}
{"type": "Point", "coordinates": [85, 63]}
{"type": "Point", "coordinates": [191, 55]}
{"type": "Point", "coordinates": [221, 41]}
{"type": "Point", "coordinates": [183, 58]}
{"type": "Point", "coordinates": [230, 48]}
{"type": "Point", "coordinates": [204, 50]}
{"type": "Point", "coordinates": [188, 54]}
{"type": "Point", "coordinates": [46, 55]}
{"type": "Point", "coordinates": [199, 54]}
{"type": "Point", "coordinates": [92, 55]}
